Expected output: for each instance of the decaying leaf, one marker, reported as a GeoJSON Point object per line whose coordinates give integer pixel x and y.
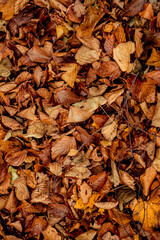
{"type": "Point", "coordinates": [121, 55]}
{"type": "Point", "coordinates": [110, 129]}
{"type": "Point", "coordinates": [85, 192]}
{"type": "Point", "coordinates": [71, 73]}
{"type": "Point", "coordinates": [21, 189]}
{"type": "Point", "coordinates": [50, 233]}
{"type": "Point", "coordinates": [80, 205]}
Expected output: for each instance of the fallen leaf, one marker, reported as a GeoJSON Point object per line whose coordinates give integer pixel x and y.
{"type": "Point", "coordinates": [62, 146]}
{"type": "Point", "coordinates": [85, 55]}
{"type": "Point", "coordinates": [120, 217]}
{"type": "Point", "coordinates": [79, 8]}
{"type": "Point", "coordinates": [5, 67]}
{"type": "Point", "coordinates": [147, 178]}
{"type": "Point", "coordinates": [78, 172]}
{"type": "Point", "coordinates": [147, 213]}
{"type": "Point", "coordinates": [137, 38]}
{"type": "Point", "coordinates": [108, 236]}
{"type": "Point", "coordinates": [36, 130]}
{"type": "Point", "coordinates": [85, 192]}
{"type": "Point", "coordinates": [125, 195]}
{"type": "Point", "coordinates": [51, 233]}
{"type": "Point", "coordinates": [71, 73]}
{"type": "Point", "coordinates": [113, 95]}
{"type": "Point", "coordinates": [57, 5]}
{"type": "Point", "coordinates": [55, 168]}
{"type": "Point", "coordinates": [87, 235]}
{"type": "Point", "coordinates": [154, 75]}
{"type": "Point", "coordinates": [37, 54]}
{"type": "Point", "coordinates": [11, 123]}
{"type": "Point", "coordinates": [28, 113]}
{"type": "Point", "coordinates": [109, 44]}
{"type": "Point", "coordinates": [114, 178]}
{"type": "Point", "coordinates": [109, 131]}
{"type": "Point", "coordinates": [127, 179]}
{"type": "Point", "coordinates": [91, 18]}
{"type": "Point", "coordinates": [156, 117]}
{"type": "Point", "coordinates": [133, 8]}
{"type": "Point", "coordinates": [14, 174]}
{"type": "Point", "coordinates": [121, 55]}
{"type": "Point", "coordinates": [21, 189]}
{"type": "Point", "coordinates": [106, 205]}
{"type": "Point", "coordinates": [3, 200]}
{"type": "Point", "coordinates": [5, 184]}
{"type": "Point", "coordinates": [120, 34]}
{"type": "Point", "coordinates": [7, 9]}
{"type": "Point", "coordinates": [109, 69]}
{"type": "Point", "coordinates": [11, 204]}
{"type": "Point", "coordinates": [80, 205]}
{"type": "Point", "coordinates": [96, 182]}
{"type": "Point", "coordinates": [148, 12]}
{"type": "Point", "coordinates": [154, 59]}
{"type": "Point", "coordinates": [16, 158]}
{"type": "Point", "coordinates": [65, 97]}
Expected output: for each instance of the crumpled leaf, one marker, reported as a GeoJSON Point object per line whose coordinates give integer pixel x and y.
{"type": "Point", "coordinates": [148, 12]}
{"type": "Point", "coordinates": [127, 179]}
{"type": "Point", "coordinates": [16, 158]}
{"type": "Point", "coordinates": [71, 73]}
{"type": "Point", "coordinates": [81, 111]}
{"type": "Point", "coordinates": [125, 195]}
{"type": "Point", "coordinates": [85, 192]}
{"type": "Point", "coordinates": [147, 178]}
{"type": "Point", "coordinates": [147, 213]}
{"type": "Point", "coordinates": [14, 174]}
{"type": "Point", "coordinates": [5, 67]}
{"type": "Point", "coordinates": [4, 50]}
{"type": "Point", "coordinates": [55, 168]}
{"type": "Point", "coordinates": [21, 190]}
{"type": "Point", "coordinates": [121, 55]}
{"type": "Point", "coordinates": [120, 217]}
{"type": "Point", "coordinates": [154, 75]}
{"type": "Point", "coordinates": [11, 123]}
{"type": "Point", "coordinates": [133, 8]}
{"type": "Point", "coordinates": [51, 233]}
{"type": "Point", "coordinates": [89, 235]}
{"type": "Point", "coordinates": [5, 184]}
{"type": "Point", "coordinates": [7, 9]}
{"type": "Point", "coordinates": [63, 146]}
{"type": "Point", "coordinates": [79, 8]}
{"type": "Point", "coordinates": [96, 182]}
{"type": "Point", "coordinates": [114, 177]}
{"type": "Point", "coordinates": [85, 55]}
{"type": "Point", "coordinates": [154, 59]}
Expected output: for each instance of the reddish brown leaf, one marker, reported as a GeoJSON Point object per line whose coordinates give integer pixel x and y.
{"type": "Point", "coordinates": [109, 69]}
{"type": "Point", "coordinates": [96, 182]}
{"type": "Point", "coordinates": [133, 8]}
{"type": "Point", "coordinates": [16, 158]}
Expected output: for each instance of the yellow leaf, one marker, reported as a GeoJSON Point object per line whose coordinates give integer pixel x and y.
{"type": "Point", "coordinates": [147, 213]}
{"type": "Point", "coordinates": [147, 178]}
{"type": "Point", "coordinates": [71, 73]}
{"type": "Point", "coordinates": [80, 205]}
{"type": "Point", "coordinates": [120, 217]}
{"type": "Point", "coordinates": [7, 9]}
{"type": "Point", "coordinates": [154, 59]}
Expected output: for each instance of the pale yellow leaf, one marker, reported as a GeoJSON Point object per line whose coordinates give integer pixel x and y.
{"type": "Point", "coordinates": [106, 205]}
{"type": "Point", "coordinates": [86, 55]}
{"type": "Point", "coordinates": [110, 130]}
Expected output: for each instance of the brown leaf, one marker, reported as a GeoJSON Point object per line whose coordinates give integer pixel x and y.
{"type": "Point", "coordinates": [57, 5]}
{"type": "Point", "coordinates": [127, 179]}
{"type": "Point", "coordinates": [133, 8]}
{"type": "Point", "coordinates": [148, 12]}
{"type": "Point", "coordinates": [110, 130]}
{"type": "Point", "coordinates": [11, 204]}
{"type": "Point", "coordinates": [5, 184]}
{"type": "Point", "coordinates": [85, 192]}
{"type": "Point", "coordinates": [96, 182]}
{"type": "Point", "coordinates": [28, 113]}
{"type": "Point", "coordinates": [58, 210]}
{"type": "Point", "coordinates": [22, 77]}
{"type": "Point", "coordinates": [87, 235]}
{"type": "Point", "coordinates": [11, 123]}
{"type": "Point", "coordinates": [86, 55]}
{"type": "Point", "coordinates": [16, 158]}
{"type": "Point", "coordinates": [120, 34]}
{"type": "Point", "coordinates": [3, 171]}
{"type": "Point", "coordinates": [71, 73]}
{"type": "Point", "coordinates": [137, 38]}
{"type": "Point", "coordinates": [106, 227]}
{"type": "Point", "coordinates": [7, 9]}
{"type": "Point", "coordinates": [21, 189]}
{"type": "Point", "coordinates": [40, 194]}
{"type": "Point", "coordinates": [3, 200]}
{"type": "Point", "coordinates": [17, 225]}
{"type": "Point", "coordinates": [62, 146]}
{"type": "Point", "coordinates": [4, 51]}
{"type": "Point", "coordinates": [156, 117]}
{"type": "Point", "coordinates": [36, 129]}
{"type": "Point", "coordinates": [37, 54]}
{"type": "Point", "coordinates": [109, 43]}
{"type": "Point", "coordinates": [78, 172]}
{"type": "Point", "coordinates": [90, 20]}
{"type": "Point", "coordinates": [65, 97]}
{"type": "Point", "coordinates": [121, 54]}
{"type": "Point", "coordinates": [120, 217]}
{"type": "Point", "coordinates": [26, 206]}
{"type": "Point", "coordinates": [147, 178]}
{"type": "Point", "coordinates": [106, 205]}
{"type": "Point", "coordinates": [38, 225]}
{"type": "Point", "coordinates": [55, 168]}
{"type": "Point", "coordinates": [154, 75]}
{"type": "Point", "coordinates": [50, 233]}
{"type": "Point", "coordinates": [11, 110]}
{"type": "Point", "coordinates": [109, 69]}
{"type": "Point", "coordinates": [154, 59]}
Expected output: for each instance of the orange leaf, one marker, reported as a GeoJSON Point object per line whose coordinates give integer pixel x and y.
{"type": "Point", "coordinates": [147, 178]}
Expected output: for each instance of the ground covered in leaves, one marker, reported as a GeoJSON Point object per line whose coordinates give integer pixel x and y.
{"type": "Point", "coordinates": [79, 119]}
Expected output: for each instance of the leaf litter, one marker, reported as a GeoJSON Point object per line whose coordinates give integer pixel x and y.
{"type": "Point", "coordinates": [79, 124]}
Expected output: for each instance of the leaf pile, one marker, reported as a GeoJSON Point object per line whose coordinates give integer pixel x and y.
{"type": "Point", "coordinates": [79, 119]}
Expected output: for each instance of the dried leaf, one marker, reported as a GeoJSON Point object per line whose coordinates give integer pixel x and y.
{"type": "Point", "coordinates": [3, 200]}
{"type": "Point", "coordinates": [154, 59]}
{"type": "Point", "coordinates": [11, 204]}
{"type": "Point", "coordinates": [120, 34]}
{"type": "Point", "coordinates": [148, 12]}
{"type": "Point", "coordinates": [50, 233]}
{"type": "Point", "coordinates": [36, 129]}
{"type": "Point", "coordinates": [57, 5]}
{"type": "Point", "coordinates": [154, 75]}
{"type": "Point", "coordinates": [147, 178]}
{"type": "Point", "coordinates": [79, 204]}
{"type": "Point", "coordinates": [7, 9]}
{"type": "Point", "coordinates": [156, 117]}
{"type": "Point", "coordinates": [37, 54]}
{"type": "Point", "coordinates": [71, 73]}
{"type": "Point", "coordinates": [55, 168]}
{"type": "Point", "coordinates": [16, 158]}
{"type": "Point", "coordinates": [139, 159]}
{"type": "Point", "coordinates": [133, 8]}
{"type": "Point", "coordinates": [78, 172]}
{"type": "Point", "coordinates": [21, 189]}
{"type": "Point", "coordinates": [114, 177]}
{"type": "Point", "coordinates": [5, 184]}
{"type": "Point", "coordinates": [110, 129]}
{"type": "Point", "coordinates": [11, 123]}
{"type": "Point", "coordinates": [113, 95]}
{"type": "Point", "coordinates": [121, 55]}
{"type": "Point", "coordinates": [96, 182]}
{"type": "Point", "coordinates": [137, 38]}
{"type": "Point", "coordinates": [63, 146]}
{"type": "Point", "coordinates": [106, 205]}
{"type": "Point", "coordinates": [79, 8]}
{"type": "Point", "coordinates": [85, 192]}
{"type": "Point", "coordinates": [87, 235]}
{"type": "Point", "coordinates": [5, 67]}
{"type": "Point", "coordinates": [147, 213]}
{"type": "Point", "coordinates": [109, 69]}
{"type": "Point", "coordinates": [127, 179]}
{"type": "Point", "coordinates": [28, 113]}
{"type": "Point", "coordinates": [85, 55]}
{"type": "Point", "coordinates": [19, 5]}
{"type": "Point", "coordinates": [120, 217]}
